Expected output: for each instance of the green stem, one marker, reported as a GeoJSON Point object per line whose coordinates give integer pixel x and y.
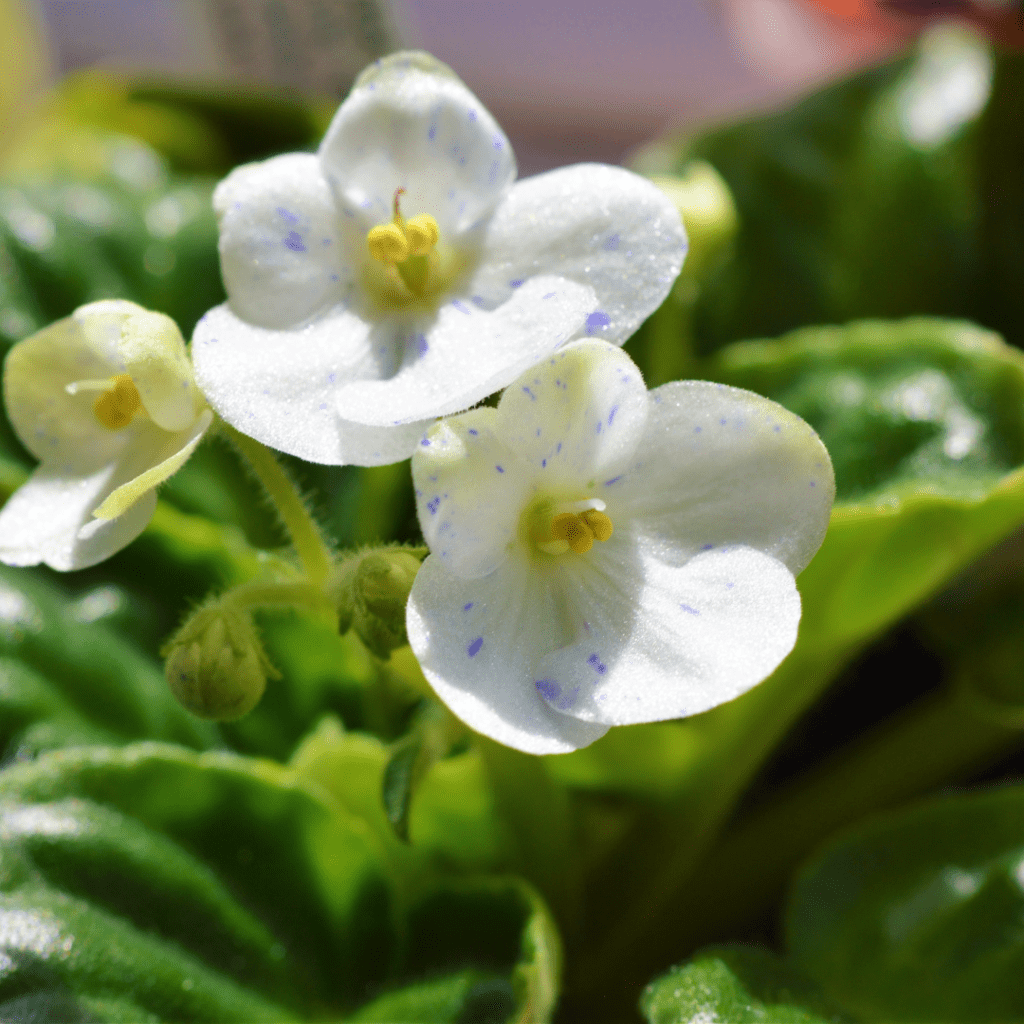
{"type": "Point", "coordinates": [313, 552]}
{"type": "Point", "coordinates": [256, 594]}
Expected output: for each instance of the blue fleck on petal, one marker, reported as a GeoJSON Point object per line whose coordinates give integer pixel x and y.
{"type": "Point", "coordinates": [466, 607]}
{"type": "Point", "coordinates": [690, 611]}
{"type": "Point", "coordinates": [293, 241]}
{"type": "Point", "coordinates": [434, 504]}
{"type": "Point", "coordinates": [474, 431]}
{"type": "Point", "coordinates": [421, 344]}
{"type": "Point", "coordinates": [611, 243]}
{"type": "Point", "coordinates": [533, 397]}
{"type": "Point", "coordinates": [548, 689]}
{"type": "Point", "coordinates": [597, 665]}
{"type": "Point", "coordinates": [614, 480]}
{"type": "Point", "coordinates": [474, 648]}
{"type": "Point", "coordinates": [287, 216]}
{"type": "Point", "coordinates": [518, 283]}
{"type": "Point", "coordinates": [500, 469]}
{"type": "Point", "coordinates": [597, 320]}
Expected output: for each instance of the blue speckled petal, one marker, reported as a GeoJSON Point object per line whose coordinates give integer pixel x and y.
{"type": "Point", "coordinates": [719, 465]}
{"type": "Point", "coordinates": [477, 642]}
{"type": "Point", "coordinates": [463, 354]}
{"type": "Point", "coordinates": [281, 387]}
{"type": "Point", "coordinates": [664, 641]}
{"type": "Point", "coordinates": [602, 226]}
{"type": "Point", "coordinates": [283, 252]}
{"type": "Point", "coordinates": [576, 417]}
{"type": "Point", "coordinates": [410, 123]}
{"type": "Point", "coordinates": [470, 491]}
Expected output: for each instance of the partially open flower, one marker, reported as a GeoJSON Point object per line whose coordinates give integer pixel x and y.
{"type": "Point", "coordinates": [400, 274]}
{"type": "Point", "coordinates": [106, 400]}
{"type": "Point", "coordinates": [603, 556]}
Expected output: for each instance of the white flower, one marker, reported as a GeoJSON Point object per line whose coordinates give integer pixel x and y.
{"type": "Point", "coordinates": [603, 556]}
{"type": "Point", "coordinates": [400, 274]}
{"type": "Point", "coordinates": [106, 400]}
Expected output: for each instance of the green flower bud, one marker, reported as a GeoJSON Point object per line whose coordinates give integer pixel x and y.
{"type": "Point", "coordinates": [709, 214]}
{"type": "Point", "coordinates": [371, 590]}
{"type": "Point", "coordinates": [215, 664]}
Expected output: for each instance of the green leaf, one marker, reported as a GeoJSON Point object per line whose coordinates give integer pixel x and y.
{"type": "Point", "coordinates": [193, 887]}
{"type": "Point", "coordinates": [845, 209]}
{"type": "Point", "coordinates": [946, 402]}
{"type": "Point", "coordinates": [65, 680]}
{"type": "Point", "coordinates": [916, 915]}
{"type": "Point", "coordinates": [738, 984]}
{"type": "Point", "coordinates": [150, 882]}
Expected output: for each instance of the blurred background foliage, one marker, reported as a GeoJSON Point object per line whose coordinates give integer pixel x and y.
{"type": "Point", "coordinates": [347, 849]}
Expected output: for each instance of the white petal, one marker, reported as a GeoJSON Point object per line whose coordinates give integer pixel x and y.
{"type": "Point", "coordinates": [282, 252]}
{"type": "Point", "coordinates": [719, 465]}
{"type": "Point", "coordinates": [410, 123]}
{"type": "Point", "coordinates": [477, 642]}
{"type": "Point", "coordinates": [670, 641]}
{"type": "Point", "coordinates": [470, 491]}
{"type": "Point", "coordinates": [280, 387]}
{"type": "Point", "coordinates": [161, 455]}
{"type": "Point", "coordinates": [577, 416]}
{"type": "Point", "coordinates": [466, 354]}
{"type": "Point", "coordinates": [152, 351]}
{"type": "Point", "coordinates": [602, 226]}
{"type": "Point", "coordinates": [58, 428]}
{"type": "Point", "coordinates": [49, 519]}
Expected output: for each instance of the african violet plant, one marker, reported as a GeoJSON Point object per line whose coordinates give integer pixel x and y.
{"type": "Point", "coordinates": [383, 783]}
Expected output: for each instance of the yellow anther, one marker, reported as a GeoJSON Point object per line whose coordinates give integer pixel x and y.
{"type": "Point", "coordinates": [116, 407]}
{"type": "Point", "coordinates": [388, 244]}
{"type": "Point", "coordinates": [578, 530]}
{"type": "Point", "coordinates": [422, 234]}
{"type": "Point", "coordinates": [600, 525]}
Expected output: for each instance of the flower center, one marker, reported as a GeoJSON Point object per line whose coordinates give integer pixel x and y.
{"type": "Point", "coordinates": [557, 527]}
{"type": "Point", "coordinates": [409, 246]}
{"type": "Point", "coordinates": [118, 402]}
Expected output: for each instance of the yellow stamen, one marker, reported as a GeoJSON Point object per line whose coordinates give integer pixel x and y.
{"type": "Point", "coordinates": [600, 525]}
{"type": "Point", "coordinates": [118, 403]}
{"type": "Point", "coordinates": [574, 531]}
{"type": "Point", "coordinates": [422, 234]}
{"type": "Point", "coordinates": [406, 245]}
{"type": "Point", "coordinates": [387, 244]}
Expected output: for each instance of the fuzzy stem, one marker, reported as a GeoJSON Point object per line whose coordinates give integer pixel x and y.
{"type": "Point", "coordinates": [313, 552]}
{"type": "Point", "coordinates": [257, 594]}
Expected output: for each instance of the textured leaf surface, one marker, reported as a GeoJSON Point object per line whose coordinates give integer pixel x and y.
{"type": "Point", "coordinates": [741, 985]}
{"type": "Point", "coordinates": [916, 916]}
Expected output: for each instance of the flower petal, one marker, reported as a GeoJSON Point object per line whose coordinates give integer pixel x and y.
{"type": "Point", "coordinates": [469, 493]}
{"type": "Point", "coordinates": [719, 465]}
{"type": "Point", "coordinates": [577, 416]}
{"type": "Point", "coordinates": [477, 640]}
{"type": "Point", "coordinates": [57, 428]}
{"type": "Point", "coordinates": [49, 519]}
{"type": "Point", "coordinates": [699, 635]}
{"type": "Point", "coordinates": [602, 226]}
{"type": "Point", "coordinates": [282, 253]}
{"type": "Point", "coordinates": [410, 123]}
{"type": "Point", "coordinates": [280, 387]}
{"type": "Point", "coordinates": [152, 351]}
{"type": "Point", "coordinates": [162, 454]}
{"type": "Point", "coordinates": [466, 354]}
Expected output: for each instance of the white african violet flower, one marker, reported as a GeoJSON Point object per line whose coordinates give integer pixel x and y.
{"type": "Point", "coordinates": [400, 274]}
{"type": "Point", "coordinates": [603, 556]}
{"type": "Point", "coordinates": [106, 400]}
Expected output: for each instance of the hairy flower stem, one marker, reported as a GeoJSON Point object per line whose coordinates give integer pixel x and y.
{"type": "Point", "coordinates": [305, 533]}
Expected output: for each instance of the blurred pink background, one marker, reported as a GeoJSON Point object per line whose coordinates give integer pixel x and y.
{"type": "Point", "coordinates": [569, 81]}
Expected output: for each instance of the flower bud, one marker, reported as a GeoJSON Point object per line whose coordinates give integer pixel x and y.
{"type": "Point", "coordinates": [371, 590]}
{"type": "Point", "coordinates": [215, 665]}
{"type": "Point", "coordinates": [709, 215]}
